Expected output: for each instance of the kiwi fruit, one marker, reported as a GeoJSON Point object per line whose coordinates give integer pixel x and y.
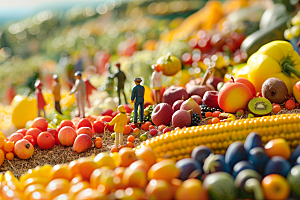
{"type": "Point", "coordinates": [274, 90]}
{"type": "Point", "coordinates": [260, 106]}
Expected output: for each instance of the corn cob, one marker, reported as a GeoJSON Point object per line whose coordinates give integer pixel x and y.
{"type": "Point", "coordinates": [178, 144]}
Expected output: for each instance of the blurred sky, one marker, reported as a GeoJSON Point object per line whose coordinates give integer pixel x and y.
{"type": "Point", "coordinates": [13, 10]}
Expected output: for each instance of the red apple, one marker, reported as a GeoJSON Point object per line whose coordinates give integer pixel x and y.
{"type": "Point", "coordinates": [45, 140]}
{"type": "Point", "coordinates": [177, 104]}
{"type": "Point", "coordinates": [181, 118]}
{"type": "Point", "coordinates": [166, 130]}
{"type": "Point", "coordinates": [82, 143]}
{"type": "Point", "coordinates": [210, 99]}
{"type": "Point", "coordinates": [85, 130]}
{"type": "Point", "coordinates": [67, 136]}
{"type": "Point", "coordinates": [197, 98]}
{"type": "Point", "coordinates": [162, 114]}
{"type": "Point", "coordinates": [153, 132]}
{"type": "Point", "coordinates": [34, 132]}
{"type": "Point", "coordinates": [23, 149]}
{"type": "Point", "coordinates": [214, 81]}
{"type": "Point", "coordinates": [173, 94]}
{"type": "Point", "coordinates": [107, 119]}
{"type": "Point", "coordinates": [98, 127]}
{"type": "Point", "coordinates": [84, 123]}
{"type": "Point", "coordinates": [107, 112]}
{"type": "Point", "coordinates": [54, 132]}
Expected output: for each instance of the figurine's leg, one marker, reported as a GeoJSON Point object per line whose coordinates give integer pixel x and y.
{"type": "Point", "coordinates": [44, 112]}
{"type": "Point", "coordinates": [158, 96]}
{"type": "Point", "coordinates": [135, 112]}
{"type": "Point", "coordinates": [57, 107]}
{"type": "Point", "coordinates": [155, 98]}
{"type": "Point", "coordinates": [124, 96]}
{"type": "Point", "coordinates": [39, 112]}
{"type": "Point", "coordinates": [82, 107]}
{"type": "Point", "coordinates": [117, 140]}
{"type": "Point", "coordinates": [119, 95]}
{"type": "Point", "coordinates": [88, 102]}
{"type": "Point", "coordinates": [141, 111]}
{"type": "Point", "coordinates": [121, 138]}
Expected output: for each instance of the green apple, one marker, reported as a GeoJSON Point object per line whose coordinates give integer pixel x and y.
{"type": "Point", "coordinates": [294, 179]}
{"type": "Point", "coordinates": [143, 137]}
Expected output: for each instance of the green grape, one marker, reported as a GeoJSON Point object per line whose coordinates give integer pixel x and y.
{"type": "Point", "coordinates": [295, 30]}
{"type": "Point", "coordinates": [288, 34]}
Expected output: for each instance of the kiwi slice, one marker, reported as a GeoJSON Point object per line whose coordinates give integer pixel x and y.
{"type": "Point", "coordinates": [260, 106]}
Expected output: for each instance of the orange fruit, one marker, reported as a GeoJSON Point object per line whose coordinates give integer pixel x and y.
{"type": "Point", "coordinates": [129, 145]}
{"type": "Point", "coordinates": [61, 172]}
{"type": "Point", "coordinates": [209, 121]}
{"type": "Point", "coordinates": [159, 189]}
{"type": "Point", "coordinates": [95, 176]}
{"type": "Point", "coordinates": [9, 156]}
{"type": "Point", "coordinates": [114, 149]}
{"type": "Point", "coordinates": [275, 187]}
{"type": "Point", "coordinates": [190, 189]}
{"type": "Point", "coordinates": [215, 120]}
{"type": "Point", "coordinates": [146, 154]}
{"type": "Point", "coordinates": [276, 109]}
{"type": "Point", "coordinates": [127, 130]}
{"type": "Point", "coordinates": [131, 138]}
{"type": "Point", "coordinates": [134, 178]}
{"type": "Point", "coordinates": [1, 157]}
{"type": "Point", "coordinates": [57, 187]}
{"type": "Point", "coordinates": [208, 114]}
{"type": "Point", "coordinates": [1, 141]}
{"type": "Point", "coordinates": [86, 168]}
{"type": "Point", "coordinates": [126, 157]}
{"type": "Point", "coordinates": [151, 127]}
{"type": "Point", "coordinates": [145, 127]}
{"type": "Point", "coordinates": [165, 170]}
{"type": "Point", "coordinates": [98, 139]}
{"type": "Point", "coordinates": [9, 146]}
{"type": "Point", "coordinates": [98, 144]}
{"type": "Point", "coordinates": [121, 146]}
{"type": "Point", "coordinates": [278, 147]}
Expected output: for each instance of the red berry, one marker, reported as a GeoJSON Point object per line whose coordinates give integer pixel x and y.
{"type": "Point", "coordinates": [290, 104]}
{"type": "Point", "coordinates": [153, 132]}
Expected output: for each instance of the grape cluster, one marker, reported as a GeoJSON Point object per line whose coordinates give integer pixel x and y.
{"type": "Point", "coordinates": [205, 108]}
{"type": "Point", "coordinates": [195, 119]}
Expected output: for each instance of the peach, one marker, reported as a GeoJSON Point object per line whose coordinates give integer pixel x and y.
{"type": "Point", "coordinates": [234, 96]}
{"type": "Point", "coordinates": [23, 131]}
{"type": "Point", "coordinates": [191, 104]}
{"type": "Point", "coordinates": [245, 82]}
{"type": "Point", "coordinates": [34, 132]}
{"type": "Point", "coordinates": [296, 91]}
{"type": "Point", "coordinates": [82, 143]}
{"type": "Point", "coordinates": [40, 123]}
{"type": "Point", "coordinates": [16, 137]}
{"type": "Point", "coordinates": [23, 149]}
{"type": "Point", "coordinates": [67, 135]}
{"type": "Point", "coordinates": [181, 118]}
{"type": "Point", "coordinates": [85, 130]}
{"type": "Point", "coordinates": [162, 114]}
{"type": "Point", "coordinates": [45, 140]}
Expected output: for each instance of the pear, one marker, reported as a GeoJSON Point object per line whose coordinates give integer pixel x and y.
{"type": "Point", "coordinates": [191, 104]}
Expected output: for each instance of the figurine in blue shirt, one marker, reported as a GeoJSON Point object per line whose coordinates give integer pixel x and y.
{"type": "Point", "coordinates": [137, 97]}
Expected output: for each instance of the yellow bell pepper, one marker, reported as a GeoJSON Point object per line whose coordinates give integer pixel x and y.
{"type": "Point", "coordinates": [24, 109]}
{"type": "Point", "coordinates": [275, 59]}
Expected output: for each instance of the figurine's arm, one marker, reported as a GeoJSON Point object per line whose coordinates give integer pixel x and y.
{"type": "Point", "coordinates": [115, 120]}
{"type": "Point", "coordinates": [133, 94]}
{"type": "Point", "coordinates": [75, 87]}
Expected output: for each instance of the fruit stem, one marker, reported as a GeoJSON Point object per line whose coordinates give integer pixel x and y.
{"type": "Point", "coordinates": [207, 75]}
{"type": "Point", "coordinates": [168, 56]}
{"type": "Point", "coordinates": [253, 185]}
{"type": "Point", "coordinates": [232, 79]}
{"type": "Point", "coordinates": [287, 67]}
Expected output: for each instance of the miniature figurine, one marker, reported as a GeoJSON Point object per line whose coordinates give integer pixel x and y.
{"type": "Point", "coordinates": [121, 79]}
{"type": "Point", "coordinates": [137, 97]}
{"type": "Point", "coordinates": [89, 88]}
{"type": "Point", "coordinates": [120, 120]}
{"type": "Point", "coordinates": [79, 88]}
{"type": "Point", "coordinates": [56, 93]}
{"type": "Point", "coordinates": [156, 82]}
{"type": "Point", "coordinates": [39, 97]}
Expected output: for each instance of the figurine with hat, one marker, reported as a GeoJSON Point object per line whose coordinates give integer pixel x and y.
{"type": "Point", "coordinates": [41, 103]}
{"type": "Point", "coordinates": [80, 93]}
{"type": "Point", "coordinates": [56, 93]}
{"type": "Point", "coordinates": [121, 80]}
{"type": "Point", "coordinates": [120, 120]}
{"type": "Point", "coordinates": [137, 97]}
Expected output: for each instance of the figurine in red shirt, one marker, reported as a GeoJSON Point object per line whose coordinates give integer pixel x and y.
{"type": "Point", "coordinates": [89, 88]}
{"type": "Point", "coordinates": [39, 97]}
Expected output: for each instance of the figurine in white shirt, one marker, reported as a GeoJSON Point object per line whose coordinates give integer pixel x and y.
{"type": "Point", "coordinates": [156, 82]}
{"type": "Point", "coordinates": [80, 93]}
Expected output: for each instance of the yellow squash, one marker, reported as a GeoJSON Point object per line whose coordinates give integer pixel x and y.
{"type": "Point", "coordinates": [275, 59]}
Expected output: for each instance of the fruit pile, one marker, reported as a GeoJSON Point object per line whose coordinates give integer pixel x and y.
{"type": "Point", "coordinates": [247, 170]}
